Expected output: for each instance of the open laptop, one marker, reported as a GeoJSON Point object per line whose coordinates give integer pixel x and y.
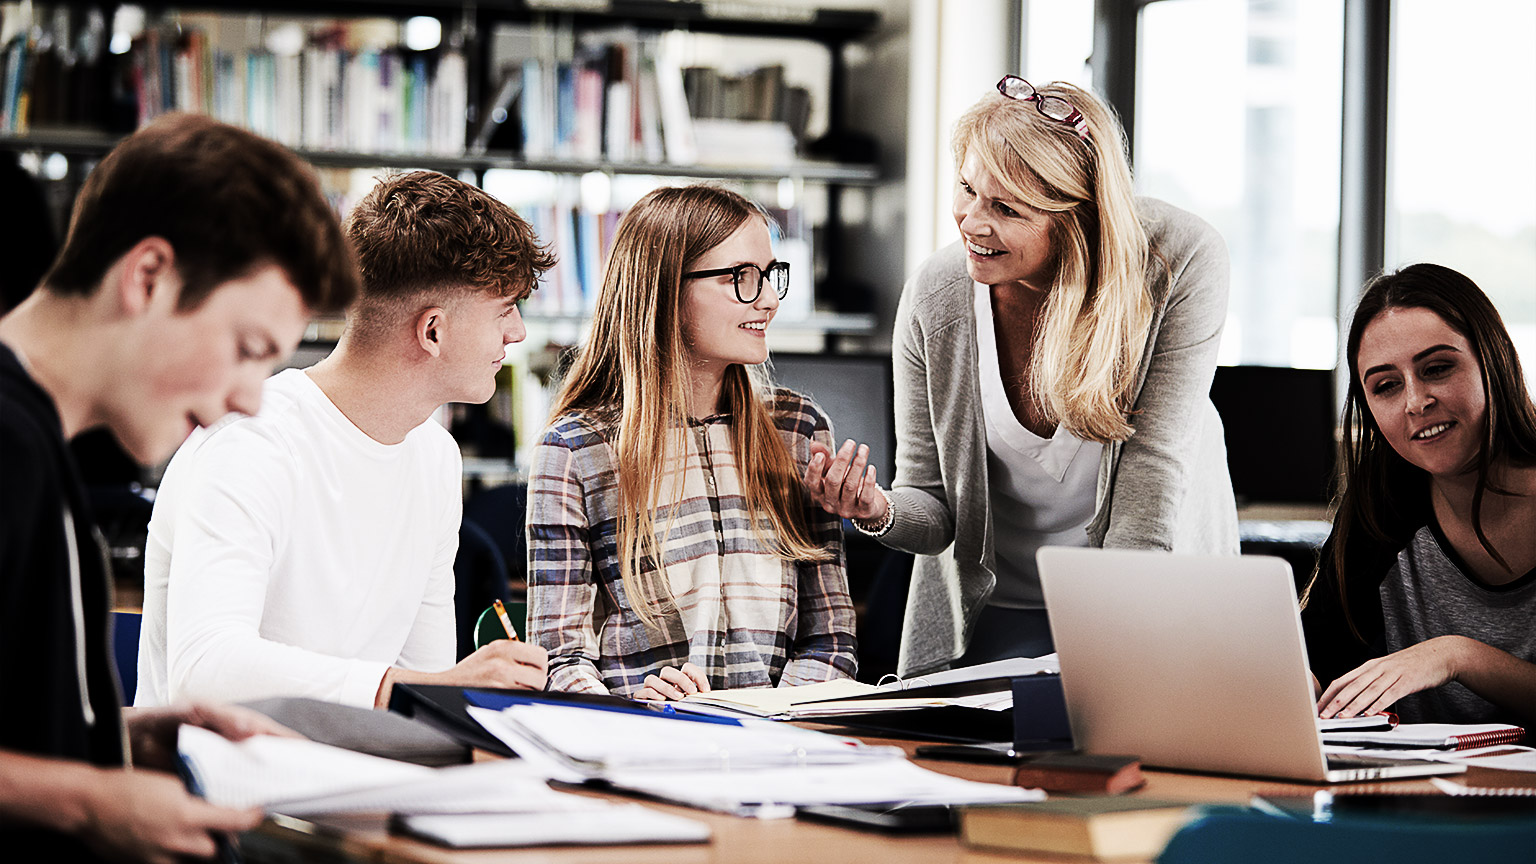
{"type": "Point", "coordinates": [1194, 662]}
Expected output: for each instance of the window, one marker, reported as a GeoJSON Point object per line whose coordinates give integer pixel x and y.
{"type": "Point", "coordinates": [1238, 121]}
{"type": "Point", "coordinates": [1058, 39]}
{"type": "Point", "coordinates": [1462, 180]}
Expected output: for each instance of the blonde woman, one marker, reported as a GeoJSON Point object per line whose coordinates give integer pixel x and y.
{"type": "Point", "coordinates": [672, 548]}
{"type": "Point", "coordinates": [1053, 371]}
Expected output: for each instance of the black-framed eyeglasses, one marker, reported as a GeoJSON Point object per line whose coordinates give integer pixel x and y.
{"type": "Point", "coordinates": [748, 289]}
{"type": "Point", "coordinates": [1053, 107]}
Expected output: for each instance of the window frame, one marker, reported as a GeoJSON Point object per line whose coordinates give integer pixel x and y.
{"type": "Point", "coordinates": [1364, 137]}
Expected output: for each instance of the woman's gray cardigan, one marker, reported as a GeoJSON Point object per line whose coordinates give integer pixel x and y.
{"type": "Point", "coordinates": [1166, 487]}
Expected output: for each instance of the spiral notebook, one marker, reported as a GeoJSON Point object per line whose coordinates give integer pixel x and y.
{"type": "Point", "coordinates": [1431, 736]}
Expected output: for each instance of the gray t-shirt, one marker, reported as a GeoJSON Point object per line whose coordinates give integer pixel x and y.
{"type": "Point", "coordinates": [1429, 593]}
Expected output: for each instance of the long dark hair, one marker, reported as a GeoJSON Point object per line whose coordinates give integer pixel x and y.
{"type": "Point", "coordinates": [1381, 498]}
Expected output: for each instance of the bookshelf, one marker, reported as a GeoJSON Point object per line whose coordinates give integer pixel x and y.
{"type": "Point", "coordinates": [814, 176]}
{"type": "Point", "coordinates": [88, 143]}
{"type": "Point", "coordinates": [180, 60]}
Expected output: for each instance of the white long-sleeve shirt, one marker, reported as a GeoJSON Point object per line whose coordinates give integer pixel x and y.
{"type": "Point", "coordinates": [290, 554]}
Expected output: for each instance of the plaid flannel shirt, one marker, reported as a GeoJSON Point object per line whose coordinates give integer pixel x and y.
{"type": "Point", "coordinates": [744, 615]}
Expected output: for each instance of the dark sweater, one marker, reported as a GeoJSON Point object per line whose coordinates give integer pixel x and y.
{"type": "Point", "coordinates": [40, 657]}
{"type": "Point", "coordinates": [1399, 598]}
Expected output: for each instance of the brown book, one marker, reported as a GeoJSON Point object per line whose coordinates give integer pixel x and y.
{"type": "Point", "coordinates": [1105, 829]}
{"type": "Point", "coordinates": [1080, 772]}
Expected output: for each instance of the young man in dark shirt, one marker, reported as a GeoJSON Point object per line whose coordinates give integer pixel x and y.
{"type": "Point", "coordinates": [195, 256]}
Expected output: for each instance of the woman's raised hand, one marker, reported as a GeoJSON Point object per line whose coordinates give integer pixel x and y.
{"type": "Point", "coordinates": [844, 482]}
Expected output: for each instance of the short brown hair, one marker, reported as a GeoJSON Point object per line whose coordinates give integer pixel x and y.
{"type": "Point", "coordinates": [421, 230]}
{"type": "Point", "coordinates": [227, 201]}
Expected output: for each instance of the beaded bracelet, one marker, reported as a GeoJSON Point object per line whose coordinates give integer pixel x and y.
{"type": "Point", "coordinates": [884, 527]}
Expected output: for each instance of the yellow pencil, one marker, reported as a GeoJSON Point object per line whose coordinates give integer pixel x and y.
{"type": "Point", "coordinates": [501, 612]}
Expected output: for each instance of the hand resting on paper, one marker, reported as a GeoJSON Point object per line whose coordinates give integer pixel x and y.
{"type": "Point", "coordinates": [1376, 685]}
{"type": "Point", "coordinates": [672, 684]}
{"type": "Point", "coordinates": [502, 664]}
{"type": "Point", "coordinates": [152, 731]}
{"type": "Point", "coordinates": [844, 483]}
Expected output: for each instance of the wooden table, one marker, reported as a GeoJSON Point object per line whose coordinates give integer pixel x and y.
{"type": "Point", "coordinates": [788, 841]}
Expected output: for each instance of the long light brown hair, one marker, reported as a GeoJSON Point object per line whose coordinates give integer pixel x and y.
{"type": "Point", "coordinates": [1093, 330]}
{"type": "Point", "coordinates": [633, 377]}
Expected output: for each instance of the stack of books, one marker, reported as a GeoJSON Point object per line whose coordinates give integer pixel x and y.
{"type": "Point", "coordinates": [331, 88]}
{"type": "Point", "coordinates": [611, 95]}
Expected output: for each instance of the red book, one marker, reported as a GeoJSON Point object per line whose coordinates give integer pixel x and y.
{"type": "Point", "coordinates": [1080, 772]}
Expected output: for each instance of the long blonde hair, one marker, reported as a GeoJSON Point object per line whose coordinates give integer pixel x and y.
{"type": "Point", "coordinates": [1094, 328]}
{"type": "Point", "coordinates": [633, 377]}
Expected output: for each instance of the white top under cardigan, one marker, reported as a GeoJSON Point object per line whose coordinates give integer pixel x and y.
{"type": "Point", "coordinates": [290, 554]}
{"type": "Point", "coordinates": [1041, 489]}
{"type": "Point", "coordinates": [1164, 488]}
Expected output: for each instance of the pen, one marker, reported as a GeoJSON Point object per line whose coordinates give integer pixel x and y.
{"type": "Point", "coordinates": [501, 612]}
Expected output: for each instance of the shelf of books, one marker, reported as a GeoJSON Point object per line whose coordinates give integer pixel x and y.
{"type": "Point", "coordinates": [348, 91]}
{"type": "Point", "coordinates": [579, 123]}
{"type": "Point", "coordinates": [568, 112]}
{"type": "Point", "coordinates": [88, 143]}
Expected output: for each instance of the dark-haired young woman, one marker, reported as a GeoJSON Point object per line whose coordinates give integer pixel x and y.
{"type": "Point", "coordinates": [1425, 596]}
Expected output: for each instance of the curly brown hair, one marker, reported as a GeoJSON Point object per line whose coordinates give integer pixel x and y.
{"type": "Point", "coordinates": [424, 231]}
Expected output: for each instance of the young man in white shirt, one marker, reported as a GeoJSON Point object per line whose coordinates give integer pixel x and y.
{"type": "Point", "coordinates": [308, 550]}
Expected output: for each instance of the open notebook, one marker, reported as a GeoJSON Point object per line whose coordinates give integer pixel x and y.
{"type": "Point", "coordinates": [1430, 736]}
{"type": "Point", "coordinates": [987, 685]}
{"type": "Point", "coordinates": [301, 777]}
{"type": "Point", "coordinates": [749, 767]}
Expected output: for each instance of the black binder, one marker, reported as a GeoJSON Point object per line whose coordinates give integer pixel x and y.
{"type": "Point", "coordinates": [444, 707]}
{"type": "Point", "coordinates": [1037, 720]}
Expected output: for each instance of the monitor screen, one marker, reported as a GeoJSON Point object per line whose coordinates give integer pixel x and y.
{"type": "Point", "coordinates": [1280, 432]}
{"type": "Point", "coordinates": [855, 392]}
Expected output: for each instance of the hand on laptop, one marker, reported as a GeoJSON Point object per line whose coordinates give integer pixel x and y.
{"type": "Point", "coordinates": [673, 683]}
{"type": "Point", "coordinates": [1376, 684]}
{"type": "Point", "coordinates": [502, 664]}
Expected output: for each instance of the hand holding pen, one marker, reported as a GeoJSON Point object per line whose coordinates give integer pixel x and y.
{"type": "Point", "coordinates": [500, 663]}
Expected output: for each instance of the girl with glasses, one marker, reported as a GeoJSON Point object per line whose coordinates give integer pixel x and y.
{"type": "Point", "coordinates": [1426, 589]}
{"type": "Point", "coordinates": [672, 549]}
{"type": "Point", "coordinates": [1053, 370]}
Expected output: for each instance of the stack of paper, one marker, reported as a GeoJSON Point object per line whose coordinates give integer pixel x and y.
{"type": "Point", "coordinates": [506, 802]}
{"type": "Point", "coordinates": [749, 767]}
{"type": "Point", "coordinates": [599, 824]}
{"type": "Point", "coordinates": [1434, 736]}
{"type": "Point", "coordinates": [987, 685]}
{"type": "Point", "coordinates": [595, 743]}
{"type": "Point", "coordinates": [1490, 745]}
{"type": "Point", "coordinates": [771, 791]}
{"type": "Point", "coordinates": [826, 699]}
{"type": "Point", "coordinates": [301, 777]}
